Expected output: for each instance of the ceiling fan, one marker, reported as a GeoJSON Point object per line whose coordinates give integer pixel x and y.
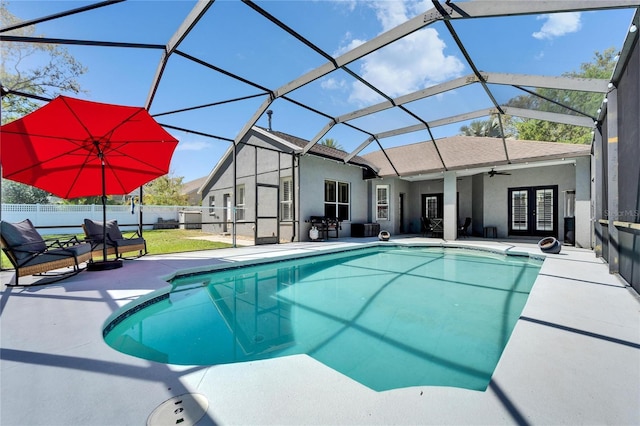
{"type": "Point", "coordinates": [493, 172]}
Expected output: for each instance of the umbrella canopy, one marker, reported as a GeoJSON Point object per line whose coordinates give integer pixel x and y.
{"type": "Point", "coordinates": [62, 146]}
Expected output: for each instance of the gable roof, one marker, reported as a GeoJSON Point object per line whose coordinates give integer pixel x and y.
{"type": "Point", "coordinates": [193, 185]}
{"type": "Point", "coordinates": [283, 141]}
{"type": "Point", "coordinates": [464, 152]}
{"type": "Point", "coordinates": [323, 150]}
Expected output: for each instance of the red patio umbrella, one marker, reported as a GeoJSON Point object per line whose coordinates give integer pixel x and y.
{"type": "Point", "coordinates": [76, 148]}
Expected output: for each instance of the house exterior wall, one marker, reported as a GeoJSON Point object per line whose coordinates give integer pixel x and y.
{"type": "Point", "coordinates": [413, 200]}
{"type": "Point", "coordinates": [392, 224]}
{"type": "Point", "coordinates": [313, 172]}
{"type": "Point", "coordinates": [289, 230]}
{"type": "Point", "coordinates": [495, 209]}
{"type": "Point", "coordinates": [400, 187]}
{"type": "Point", "coordinates": [583, 203]}
{"type": "Point", "coordinates": [465, 199]}
{"type": "Point", "coordinates": [261, 166]}
{"type": "Point", "coordinates": [222, 185]}
{"type": "Point", "coordinates": [477, 204]}
{"type": "Point", "coordinates": [256, 163]}
{"type": "Point", "coordinates": [415, 195]}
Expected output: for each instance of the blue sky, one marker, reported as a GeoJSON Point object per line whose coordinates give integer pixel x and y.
{"type": "Point", "coordinates": [235, 38]}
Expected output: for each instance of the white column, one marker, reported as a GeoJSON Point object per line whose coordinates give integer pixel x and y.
{"type": "Point", "coordinates": [450, 208]}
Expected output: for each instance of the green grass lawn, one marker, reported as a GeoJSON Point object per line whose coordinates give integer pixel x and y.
{"type": "Point", "coordinates": [159, 241]}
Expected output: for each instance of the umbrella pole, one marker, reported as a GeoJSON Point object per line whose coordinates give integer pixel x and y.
{"type": "Point", "coordinates": [104, 264]}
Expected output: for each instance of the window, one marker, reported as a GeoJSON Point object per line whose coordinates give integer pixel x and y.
{"type": "Point", "coordinates": [544, 209]}
{"type": "Point", "coordinates": [519, 210]}
{"type": "Point", "coordinates": [382, 202]}
{"type": "Point", "coordinates": [240, 202]}
{"type": "Point", "coordinates": [431, 206]}
{"type": "Point", "coordinates": [336, 199]}
{"type": "Point", "coordinates": [212, 205]}
{"type": "Point", "coordinates": [286, 199]}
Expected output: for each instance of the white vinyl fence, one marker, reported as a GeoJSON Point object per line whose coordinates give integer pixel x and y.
{"type": "Point", "coordinates": [46, 217]}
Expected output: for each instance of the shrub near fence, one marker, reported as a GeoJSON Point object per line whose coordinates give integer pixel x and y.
{"type": "Point", "coordinates": [68, 218]}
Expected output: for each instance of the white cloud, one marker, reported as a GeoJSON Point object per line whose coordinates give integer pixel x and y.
{"type": "Point", "coordinates": [413, 63]}
{"type": "Point", "coordinates": [332, 84]}
{"type": "Point", "coordinates": [194, 145]}
{"type": "Point", "coordinates": [558, 24]}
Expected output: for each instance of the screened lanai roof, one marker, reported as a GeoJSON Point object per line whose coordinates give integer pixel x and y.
{"type": "Point", "coordinates": [369, 75]}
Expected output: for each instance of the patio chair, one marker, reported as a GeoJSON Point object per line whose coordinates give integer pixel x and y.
{"type": "Point", "coordinates": [325, 225]}
{"type": "Point", "coordinates": [425, 226]}
{"type": "Point", "coordinates": [117, 244]}
{"type": "Point", "coordinates": [463, 231]}
{"type": "Point", "coordinates": [30, 254]}
{"type": "Point", "coordinates": [437, 231]}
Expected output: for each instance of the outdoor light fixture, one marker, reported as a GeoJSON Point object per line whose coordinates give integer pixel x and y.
{"type": "Point", "coordinates": [605, 100]}
{"type": "Point", "coordinates": [599, 110]}
{"type": "Point", "coordinates": [610, 85]}
{"type": "Point", "coordinates": [633, 28]}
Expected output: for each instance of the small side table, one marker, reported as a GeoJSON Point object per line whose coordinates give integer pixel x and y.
{"type": "Point", "coordinates": [490, 232]}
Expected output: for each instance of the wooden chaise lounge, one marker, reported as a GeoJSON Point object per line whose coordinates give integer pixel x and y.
{"type": "Point", "coordinates": [30, 254]}
{"type": "Point", "coordinates": [117, 244]}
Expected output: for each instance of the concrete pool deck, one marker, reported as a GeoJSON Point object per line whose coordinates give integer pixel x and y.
{"type": "Point", "coordinates": [573, 357]}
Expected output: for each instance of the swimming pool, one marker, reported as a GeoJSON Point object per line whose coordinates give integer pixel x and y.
{"type": "Point", "coordinates": [386, 316]}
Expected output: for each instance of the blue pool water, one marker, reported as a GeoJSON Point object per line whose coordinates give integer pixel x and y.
{"type": "Point", "coordinates": [387, 316]}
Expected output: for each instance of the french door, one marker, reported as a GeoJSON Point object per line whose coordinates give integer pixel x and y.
{"type": "Point", "coordinates": [533, 211]}
{"type": "Point", "coordinates": [432, 206]}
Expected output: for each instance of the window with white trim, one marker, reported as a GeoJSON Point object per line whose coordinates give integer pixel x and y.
{"type": "Point", "coordinates": [337, 199]}
{"type": "Point", "coordinates": [286, 199]}
{"type": "Point", "coordinates": [240, 202]}
{"type": "Point", "coordinates": [212, 205]}
{"type": "Point", "coordinates": [382, 202]}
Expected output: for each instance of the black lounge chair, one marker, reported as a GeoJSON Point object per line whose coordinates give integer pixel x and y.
{"type": "Point", "coordinates": [425, 226]}
{"type": "Point", "coordinates": [30, 254]}
{"type": "Point", "coordinates": [117, 244]}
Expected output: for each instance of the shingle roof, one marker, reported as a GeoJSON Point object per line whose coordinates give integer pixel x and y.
{"type": "Point", "coordinates": [462, 152]}
{"type": "Point", "coordinates": [323, 150]}
{"type": "Point", "coordinates": [193, 185]}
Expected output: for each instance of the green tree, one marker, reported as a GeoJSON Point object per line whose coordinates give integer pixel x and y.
{"type": "Point", "coordinates": [53, 70]}
{"type": "Point", "coordinates": [57, 71]}
{"type": "Point", "coordinates": [331, 143]}
{"type": "Point", "coordinates": [585, 102]}
{"type": "Point", "coordinates": [484, 128]}
{"type": "Point", "coordinates": [18, 193]}
{"type": "Point", "coordinates": [490, 128]}
{"type": "Point", "coordinates": [165, 191]}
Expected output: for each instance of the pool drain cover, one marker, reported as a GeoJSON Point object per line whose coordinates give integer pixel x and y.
{"type": "Point", "coordinates": [183, 410]}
